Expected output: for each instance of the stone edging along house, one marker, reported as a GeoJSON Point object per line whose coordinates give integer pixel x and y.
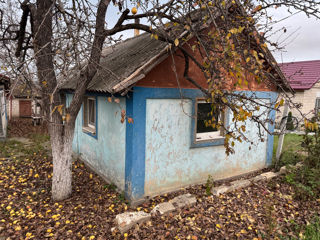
{"type": "Point", "coordinates": [163, 149]}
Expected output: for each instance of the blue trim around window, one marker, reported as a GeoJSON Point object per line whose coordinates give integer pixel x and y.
{"type": "Point", "coordinates": [204, 143]}
{"type": "Point", "coordinates": [95, 135]}
{"type": "Point", "coordinates": [96, 95]}
{"type": "Point", "coordinates": [136, 132]}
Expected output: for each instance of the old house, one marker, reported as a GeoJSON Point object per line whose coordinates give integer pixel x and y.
{"type": "Point", "coordinates": [4, 86]}
{"type": "Point", "coordinates": [304, 78]}
{"type": "Point", "coordinates": [24, 102]}
{"type": "Point", "coordinates": [163, 148]}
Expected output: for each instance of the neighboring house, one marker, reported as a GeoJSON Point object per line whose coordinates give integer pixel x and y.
{"type": "Point", "coordinates": [4, 86]}
{"type": "Point", "coordinates": [23, 102]}
{"type": "Point", "coordinates": [164, 148]}
{"type": "Point", "coordinates": [304, 78]}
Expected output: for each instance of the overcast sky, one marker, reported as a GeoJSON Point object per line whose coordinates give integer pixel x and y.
{"type": "Point", "coordinates": [301, 41]}
{"type": "Point", "coordinates": [304, 41]}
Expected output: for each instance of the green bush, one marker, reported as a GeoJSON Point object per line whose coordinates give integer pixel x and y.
{"type": "Point", "coordinates": [305, 182]}
{"type": "Point", "coordinates": [289, 125]}
{"type": "Point", "coordinates": [306, 179]}
{"type": "Point", "coordinates": [290, 158]}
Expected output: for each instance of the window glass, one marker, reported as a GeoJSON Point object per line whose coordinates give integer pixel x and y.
{"type": "Point", "coordinates": [89, 115]}
{"type": "Point", "coordinates": [92, 112]}
{"type": "Point", "coordinates": [205, 131]}
{"type": "Point", "coordinates": [203, 116]}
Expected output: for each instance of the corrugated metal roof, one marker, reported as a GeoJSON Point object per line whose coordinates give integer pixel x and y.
{"type": "Point", "coordinates": [301, 75]}
{"type": "Point", "coordinates": [119, 61]}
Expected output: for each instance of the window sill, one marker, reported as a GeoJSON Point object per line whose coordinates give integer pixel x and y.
{"type": "Point", "coordinates": [207, 136]}
{"type": "Point", "coordinates": [217, 141]}
{"type": "Point", "coordinates": [209, 139]}
{"type": "Point", "coordinates": [89, 130]}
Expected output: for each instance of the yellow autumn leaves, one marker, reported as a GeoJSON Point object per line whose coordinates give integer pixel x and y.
{"type": "Point", "coordinates": [279, 104]}
{"type": "Point", "coordinates": [311, 126]}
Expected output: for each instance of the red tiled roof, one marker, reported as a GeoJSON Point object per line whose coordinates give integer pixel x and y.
{"type": "Point", "coordinates": [301, 75]}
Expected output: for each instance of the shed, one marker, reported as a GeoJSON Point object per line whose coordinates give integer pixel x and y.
{"type": "Point", "coordinates": [24, 102]}
{"type": "Point", "coordinates": [161, 148]}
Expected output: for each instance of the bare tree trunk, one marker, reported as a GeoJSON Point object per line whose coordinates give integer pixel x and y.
{"type": "Point", "coordinates": [61, 143]}
{"type": "Point", "coordinates": [61, 135]}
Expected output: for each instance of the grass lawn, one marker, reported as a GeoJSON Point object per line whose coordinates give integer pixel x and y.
{"type": "Point", "coordinates": [291, 145]}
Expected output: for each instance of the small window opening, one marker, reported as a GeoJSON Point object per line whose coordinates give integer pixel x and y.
{"type": "Point", "coordinates": [207, 121]}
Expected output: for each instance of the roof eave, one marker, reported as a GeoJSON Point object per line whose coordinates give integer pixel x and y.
{"type": "Point", "coordinates": [142, 71]}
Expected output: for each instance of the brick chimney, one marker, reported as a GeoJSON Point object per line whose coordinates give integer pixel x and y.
{"type": "Point", "coordinates": [136, 31]}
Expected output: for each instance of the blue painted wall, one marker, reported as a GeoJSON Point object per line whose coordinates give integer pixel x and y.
{"type": "Point", "coordinates": [162, 157]}
{"type": "Point", "coordinates": [105, 152]}
{"type": "Point", "coordinates": [155, 154]}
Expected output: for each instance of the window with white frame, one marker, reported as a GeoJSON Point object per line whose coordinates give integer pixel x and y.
{"type": "Point", "coordinates": [206, 122]}
{"type": "Point", "coordinates": [317, 107]}
{"type": "Point", "coordinates": [89, 114]}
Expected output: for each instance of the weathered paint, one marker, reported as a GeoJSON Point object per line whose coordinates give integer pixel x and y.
{"type": "Point", "coordinates": [171, 163]}
{"type": "Point", "coordinates": [186, 163]}
{"type": "Point", "coordinates": [135, 147]}
{"type": "Point", "coordinates": [155, 154]}
{"type": "Point", "coordinates": [105, 152]}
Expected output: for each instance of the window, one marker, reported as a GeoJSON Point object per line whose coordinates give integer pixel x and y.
{"type": "Point", "coordinates": [63, 101]}
{"type": "Point", "coordinates": [89, 114]}
{"type": "Point", "coordinates": [317, 107]}
{"type": "Point", "coordinates": [205, 116]}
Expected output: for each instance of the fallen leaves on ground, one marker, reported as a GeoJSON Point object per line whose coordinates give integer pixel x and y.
{"type": "Point", "coordinates": [266, 210]}
{"type": "Point", "coordinates": [23, 127]}
{"type": "Point", "coordinates": [26, 208]}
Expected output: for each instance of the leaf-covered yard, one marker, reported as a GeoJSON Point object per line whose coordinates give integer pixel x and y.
{"type": "Point", "coordinates": [263, 211]}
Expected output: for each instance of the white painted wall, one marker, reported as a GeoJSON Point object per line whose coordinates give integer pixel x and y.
{"type": "Point", "coordinates": [171, 162]}
{"type": "Point", "coordinates": [15, 108]}
{"type": "Point", "coordinates": [106, 152]}
{"type": "Point", "coordinates": [308, 100]}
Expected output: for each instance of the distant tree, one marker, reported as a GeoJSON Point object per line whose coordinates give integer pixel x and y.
{"type": "Point", "coordinates": [57, 36]}
{"type": "Point", "coordinates": [289, 125]}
